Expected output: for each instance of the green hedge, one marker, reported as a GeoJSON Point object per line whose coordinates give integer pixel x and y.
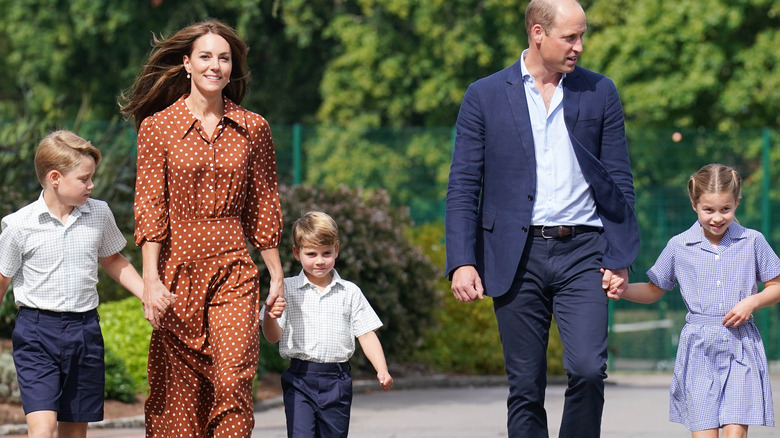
{"type": "Point", "coordinates": [126, 334]}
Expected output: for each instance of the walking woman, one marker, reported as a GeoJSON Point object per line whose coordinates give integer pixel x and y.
{"type": "Point", "coordinates": [206, 183]}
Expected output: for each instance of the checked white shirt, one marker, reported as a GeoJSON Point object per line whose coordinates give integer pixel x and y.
{"type": "Point", "coordinates": [54, 266]}
{"type": "Point", "coordinates": [322, 327]}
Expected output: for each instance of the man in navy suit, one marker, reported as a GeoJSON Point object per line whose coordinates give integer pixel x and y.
{"type": "Point", "coordinates": [540, 215]}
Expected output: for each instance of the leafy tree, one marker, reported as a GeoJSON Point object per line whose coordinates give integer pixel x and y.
{"type": "Point", "coordinates": [70, 60]}
{"type": "Point", "coordinates": [692, 64]}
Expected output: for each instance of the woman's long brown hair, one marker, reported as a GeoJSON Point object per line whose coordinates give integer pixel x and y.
{"type": "Point", "coordinates": [163, 79]}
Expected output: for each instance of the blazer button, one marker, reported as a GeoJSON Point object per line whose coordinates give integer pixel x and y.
{"type": "Point", "coordinates": [525, 230]}
{"type": "Point", "coordinates": [530, 197]}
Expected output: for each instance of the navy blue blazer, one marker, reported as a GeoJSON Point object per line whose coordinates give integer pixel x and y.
{"type": "Point", "coordinates": [492, 183]}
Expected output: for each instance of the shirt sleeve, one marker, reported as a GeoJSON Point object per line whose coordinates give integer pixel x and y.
{"type": "Point", "coordinates": [10, 251]}
{"type": "Point", "coordinates": [112, 240]}
{"type": "Point", "coordinates": [262, 215]}
{"type": "Point", "coordinates": [767, 262]}
{"type": "Point", "coordinates": [364, 319]}
{"type": "Point", "coordinates": [151, 200]}
{"type": "Point", "coordinates": [662, 273]}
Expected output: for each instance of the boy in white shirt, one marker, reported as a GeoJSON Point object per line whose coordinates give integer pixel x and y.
{"type": "Point", "coordinates": [322, 316]}
{"type": "Point", "coordinates": [51, 250]}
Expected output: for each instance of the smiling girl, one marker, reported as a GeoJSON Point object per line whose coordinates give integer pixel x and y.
{"type": "Point", "coordinates": [721, 376]}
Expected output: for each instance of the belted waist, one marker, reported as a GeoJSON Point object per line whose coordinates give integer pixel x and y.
{"type": "Point", "coordinates": [561, 231]}
{"type": "Point", "coordinates": [206, 238]}
{"type": "Point", "coordinates": [697, 318]}
{"type": "Point", "coordinates": [302, 366]}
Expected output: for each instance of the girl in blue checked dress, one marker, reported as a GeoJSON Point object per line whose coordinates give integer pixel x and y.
{"type": "Point", "coordinates": [720, 377]}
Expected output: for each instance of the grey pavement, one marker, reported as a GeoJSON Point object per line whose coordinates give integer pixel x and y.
{"type": "Point", "coordinates": [636, 407]}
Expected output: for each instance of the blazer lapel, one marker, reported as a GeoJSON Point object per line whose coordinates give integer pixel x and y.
{"type": "Point", "coordinates": [515, 91]}
{"type": "Point", "coordinates": [571, 100]}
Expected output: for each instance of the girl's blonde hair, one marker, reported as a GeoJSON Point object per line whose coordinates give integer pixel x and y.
{"type": "Point", "coordinates": [315, 229]}
{"type": "Point", "coordinates": [62, 151]}
{"type": "Point", "coordinates": [714, 178]}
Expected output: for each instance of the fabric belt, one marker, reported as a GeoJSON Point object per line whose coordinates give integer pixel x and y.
{"type": "Point", "coordinates": [561, 231]}
{"type": "Point", "coordinates": [298, 366]}
{"type": "Point", "coordinates": [201, 239]}
{"type": "Point", "coordinates": [697, 318]}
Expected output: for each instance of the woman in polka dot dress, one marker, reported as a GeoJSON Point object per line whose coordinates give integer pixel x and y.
{"type": "Point", "coordinates": [206, 181]}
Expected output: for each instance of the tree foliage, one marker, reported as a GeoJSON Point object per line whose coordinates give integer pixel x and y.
{"type": "Point", "coordinates": [70, 60]}
{"type": "Point", "coordinates": [692, 64]}
{"type": "Point", "coordinates": [375, 63]}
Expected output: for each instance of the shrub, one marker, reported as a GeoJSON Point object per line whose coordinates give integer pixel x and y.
{"type": "Point", "coordinates": [377, 255]}
{"type": "Point", "coordinates": [9, 386]}
{"type": "Point", "coordinates": [8, 312]}
{"type": "Point", "coordinates": [465, 338]}
{"type": "Point", "coordinates": [126, 333]}
{"type": "Point", "coordinates": [120, 385]}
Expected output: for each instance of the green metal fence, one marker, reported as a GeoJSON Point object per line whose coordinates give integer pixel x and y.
{"type": "Point", "coordinates": [412, 165]}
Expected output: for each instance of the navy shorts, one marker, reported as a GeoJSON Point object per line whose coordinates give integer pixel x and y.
{"type": "Point", "coordinates": [317, 399]}
{"type": "Point", "coordinates": [59, 363]}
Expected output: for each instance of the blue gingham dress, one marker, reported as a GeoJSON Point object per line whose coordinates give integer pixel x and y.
{"type": "Point", "coordinates": [720, 375]}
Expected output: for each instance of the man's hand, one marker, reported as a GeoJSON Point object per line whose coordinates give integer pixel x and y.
{"type": "Point", "coordinates": [466, 284]}
{"type": "Point", "coordinates": [615, 282]}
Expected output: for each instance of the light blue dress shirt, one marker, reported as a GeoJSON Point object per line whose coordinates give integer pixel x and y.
{"type": "Point", "coordinates": [563, 197]}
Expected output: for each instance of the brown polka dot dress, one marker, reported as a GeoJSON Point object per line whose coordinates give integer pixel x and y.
{"type": "Point", "coordinates": [200, 195]}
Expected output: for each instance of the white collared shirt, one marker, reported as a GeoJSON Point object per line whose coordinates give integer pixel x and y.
{"type": "Point", "coordinates": [322, 327]}
{"type": "Point", "coordinates": [563, 197]}
{"type": "Point", "coordinates": [54, 265]}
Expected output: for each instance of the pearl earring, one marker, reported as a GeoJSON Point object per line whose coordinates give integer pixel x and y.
{"type": "Point", "coordinates": [188, 75]}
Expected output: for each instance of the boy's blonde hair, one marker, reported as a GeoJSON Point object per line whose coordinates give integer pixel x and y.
{"type": "Point", "coordinates": [315, 229]}
{"type": "Point", "coordinates": [62, 151]}
{"type": "Point", "coordinates": [714, 178]}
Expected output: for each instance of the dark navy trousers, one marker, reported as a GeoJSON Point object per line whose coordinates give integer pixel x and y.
{"type": "Point", "coordinates": [559, 278]}
{"type": "Point", "coordinates": [317, 399]}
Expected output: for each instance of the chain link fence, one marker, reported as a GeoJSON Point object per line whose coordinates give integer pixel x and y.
{"type": "Point", "coordinates": [412, 165]}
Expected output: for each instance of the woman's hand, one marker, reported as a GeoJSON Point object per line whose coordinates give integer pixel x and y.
{"type": "Point", "coordinates": [156, 299]}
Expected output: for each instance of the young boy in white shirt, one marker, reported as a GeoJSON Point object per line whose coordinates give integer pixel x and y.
{"type": "Point", "coordinates": [51, 250]}
{"type": "Point", "coordinates": [322, 316]}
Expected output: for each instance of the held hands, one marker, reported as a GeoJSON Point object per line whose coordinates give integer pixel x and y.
{"type": "Point", "coordinates": [275, 310]}
{"type": "Point", "coordinates": [275, 292]}
{"type": "Point", "coordinates": [156, 300]}
{"type": "Point", "coordinates": [615, 282]}
{"type": "Point", "coordinates": [466, 284]}
{"type": "Point", "coordinates": [385, 380]}
{"type": "Point", "coordinates": [741, 312]}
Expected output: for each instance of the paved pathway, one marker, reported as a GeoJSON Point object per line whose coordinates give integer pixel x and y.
{"type": "Point", "coordinates": [636, 407]}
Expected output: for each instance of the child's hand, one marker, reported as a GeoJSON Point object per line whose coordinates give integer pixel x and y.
{"type": "Point", "coordinates": [741, 312]}
{"type": "Point", "coordinates": [613, 288]}
{"type": "Point", "coordinates": [385, 380]}
{"type": "Point", "coordinates": [276, 309]}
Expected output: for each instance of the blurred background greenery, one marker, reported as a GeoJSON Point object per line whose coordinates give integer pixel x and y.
{"type": "Point", "coordinates": [362, 96]}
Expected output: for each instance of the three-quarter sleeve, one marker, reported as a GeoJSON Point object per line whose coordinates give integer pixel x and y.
{"type": "Point", "coordinates": [262, 215]}
{"type": "Point", "coordinates": [151, 194]}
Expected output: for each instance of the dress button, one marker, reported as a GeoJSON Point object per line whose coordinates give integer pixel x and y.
{"type": "Point", "coordinates": [718, 283]}
{"type": "Point", "coordinates": [717, 257]}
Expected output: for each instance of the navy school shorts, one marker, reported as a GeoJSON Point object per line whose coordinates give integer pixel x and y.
{"type": "Point", "coordinates": [59, 363]}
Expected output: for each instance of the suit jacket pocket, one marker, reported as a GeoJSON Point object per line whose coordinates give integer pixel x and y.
{"type": "Point", "coordinates": [487, 221]}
